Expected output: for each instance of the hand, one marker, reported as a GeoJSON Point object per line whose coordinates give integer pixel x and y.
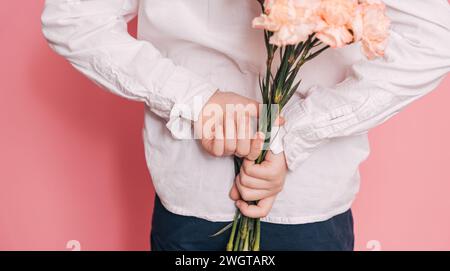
{"type": "Point", "coordinates": [225, 126]}
{"type": "Point", "coordinates": [260, 183]}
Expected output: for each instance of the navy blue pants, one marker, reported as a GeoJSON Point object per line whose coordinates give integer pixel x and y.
{"type": "Point", "coordinates": [171, 232]}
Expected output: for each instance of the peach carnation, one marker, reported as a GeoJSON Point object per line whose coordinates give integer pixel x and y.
{"type": "Point", "coordinates": [291, 21]}
{"type": "Point", "coordinates": [373, 28]}
{"type": "Point", "coordinates": [336, 20]}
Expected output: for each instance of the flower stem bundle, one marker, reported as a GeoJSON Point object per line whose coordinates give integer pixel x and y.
{"type": "Point", "coordinates": [297, 31]}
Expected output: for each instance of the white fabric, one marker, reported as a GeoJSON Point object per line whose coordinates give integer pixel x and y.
{"type": "Point", "coordinates": [186, 49]}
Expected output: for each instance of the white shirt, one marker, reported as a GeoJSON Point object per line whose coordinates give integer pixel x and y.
{"type": "Point", "coordinates": [190, 48]}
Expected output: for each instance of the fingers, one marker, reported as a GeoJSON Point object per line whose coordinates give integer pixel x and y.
{"type": "Point", "coordinates": [238, 133]}
{"type": "Point", "coordinates": [254, 183]}
{"type": "Point", "coordinates": [260, 210]}
{"type": "Point", "coordinates": [249, 194]}
{"type": "Point", "coordinates": [243, 134]}
{"type": "Point", "coordinates": [256, 146]}
{"type": "Point", "coordinates": [252, 108]}
{"type": "Point", "coordinates": [234, 193]}
{"type": "Point", "coordinates": [234, 113]}
{"type": "Point", "coordinates": [261, 171]}
{"type": "Point", "coordinates": [218, 148]}
{"type": "Point", "coordinates": [230, 133]}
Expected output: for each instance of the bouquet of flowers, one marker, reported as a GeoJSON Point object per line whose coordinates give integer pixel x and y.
{"type": "Point", "coordinates": [298, 31]}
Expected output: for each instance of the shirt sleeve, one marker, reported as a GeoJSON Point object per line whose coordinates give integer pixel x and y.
{"type": "Point", "coordinates": [417, 58]}
{"type": "Point", "coordinates": [92, 35]}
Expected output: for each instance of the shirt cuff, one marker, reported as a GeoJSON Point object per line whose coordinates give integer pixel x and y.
{"type": "Point", "coordinates": [298, 140]}
{"type": "Point", "coordinates": [183, 114]}
{"type": "Point", "coordinates": [276, 140]}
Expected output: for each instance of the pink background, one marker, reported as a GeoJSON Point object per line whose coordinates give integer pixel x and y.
{"type": "Point", "coordinates": [72, 164]}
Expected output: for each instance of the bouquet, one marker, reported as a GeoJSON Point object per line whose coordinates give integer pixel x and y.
{"type": "Point", "coordinates": [297, 31]}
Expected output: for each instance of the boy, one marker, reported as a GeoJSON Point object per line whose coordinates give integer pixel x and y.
{"type": "Point", "coordinates": [188, 52]}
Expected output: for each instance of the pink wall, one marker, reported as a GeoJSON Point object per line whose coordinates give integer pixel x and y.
{"type": "Point", "coordinates": [72, 165]}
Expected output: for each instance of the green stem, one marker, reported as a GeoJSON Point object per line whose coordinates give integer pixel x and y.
{"type": "Point", "coordinates": [233, 231]}
{"type": "Point", "coordinates": [238, 237]}
{"type": "Point", "coordinates": [247, 242]}
{"type": "Point", "coordinates": [251, 233]}
{"type": "Point", "coordinates": [244, 233]}
{"type": "Point", "coordinates": [256, 246]}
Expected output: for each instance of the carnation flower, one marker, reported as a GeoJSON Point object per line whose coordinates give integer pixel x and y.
{"type": "Point", "coordinates": [336, 23]}
{"type": "Point", "coordinates": [291, 21]}
{"type": "Point", "coordinates": [373, 28]}
{"type": "Point", "coordinates": [336, 20]}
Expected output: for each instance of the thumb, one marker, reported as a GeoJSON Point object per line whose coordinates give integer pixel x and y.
{"type": "Point", "coordinates": [280, 121]}
{"type": "Point", "coordinates": [234, 192]}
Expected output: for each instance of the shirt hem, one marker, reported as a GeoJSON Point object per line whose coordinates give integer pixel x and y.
{"type": "Point", "coordinates": [268, 219]}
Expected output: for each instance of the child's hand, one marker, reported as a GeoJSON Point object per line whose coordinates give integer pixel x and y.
{"type": "Point", "coordinates": [225, 126]}
{"type": "Point", "coordinates": [260, 183]}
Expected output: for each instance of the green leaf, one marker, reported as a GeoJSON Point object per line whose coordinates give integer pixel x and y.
{"type": "Point", "coordinates": [224, 229]}
{"type": "Point", "coordinates": [290, 94]}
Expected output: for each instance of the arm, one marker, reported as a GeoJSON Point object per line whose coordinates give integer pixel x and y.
{"type": "Point", "coordinates": [417, 58]}
{"type": "Point", "coordinates": [92, 35]}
